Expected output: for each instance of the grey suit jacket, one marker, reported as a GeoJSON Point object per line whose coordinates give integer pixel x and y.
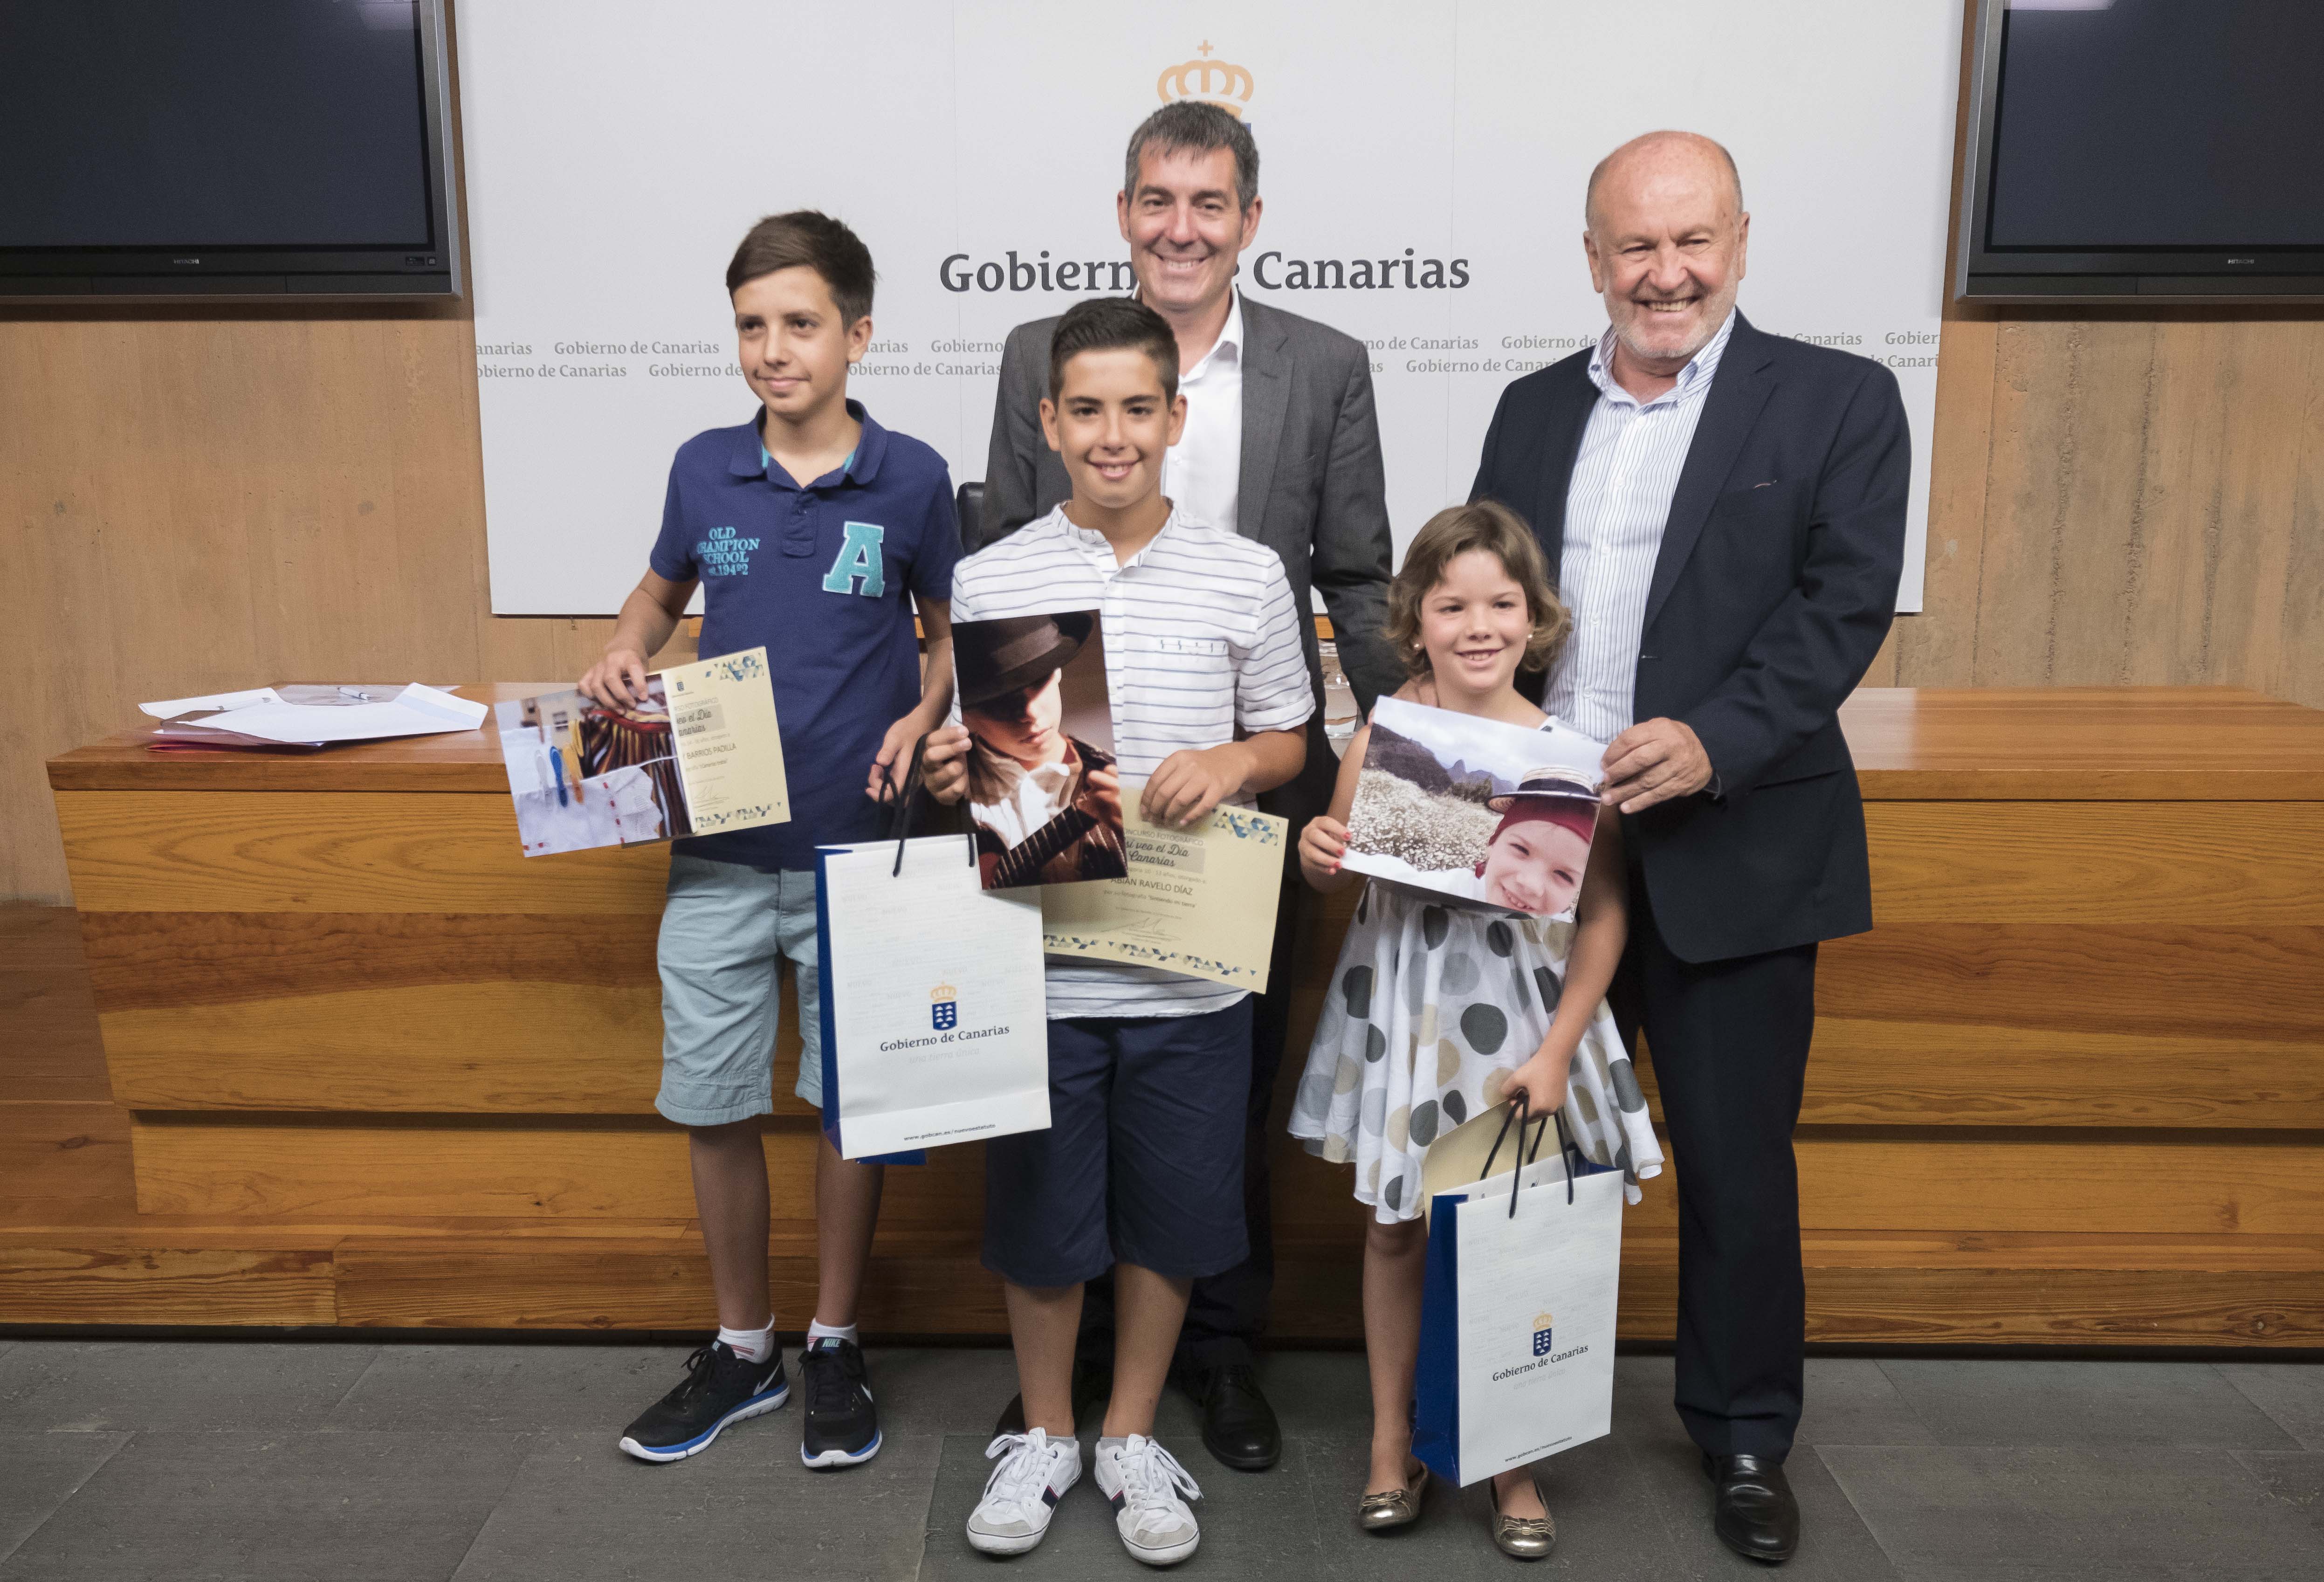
{"type": "Point", "coordinates": [1311, 489]}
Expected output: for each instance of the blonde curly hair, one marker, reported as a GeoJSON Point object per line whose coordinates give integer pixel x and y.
{"type": "Point", "coordinates": [1492, 527]}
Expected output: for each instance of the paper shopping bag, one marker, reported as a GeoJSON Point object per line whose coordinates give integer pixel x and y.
{"type": "Point", "coordinates": [1517, 1329]}
{"type": "Point", "coordinates": [935, 1017]}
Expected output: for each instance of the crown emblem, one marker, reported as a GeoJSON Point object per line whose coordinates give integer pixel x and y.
{"type": "Point", "coordinates": [1212, 82]}
{"type": "Point", "coordinates": [941, 993]}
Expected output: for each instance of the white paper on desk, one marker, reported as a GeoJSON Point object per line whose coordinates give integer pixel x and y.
{"type": "Point", "coordinates": [416, 711]}
{"type": "Point", "coordinates": [176, 705]}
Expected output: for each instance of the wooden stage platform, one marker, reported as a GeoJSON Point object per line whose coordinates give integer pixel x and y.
{"type": "Point", "coordinates": [364, 1064]}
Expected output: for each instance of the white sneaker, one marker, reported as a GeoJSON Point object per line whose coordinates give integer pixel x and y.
{"type": "Point", "coordinates": [1034, 1473]}
{"type": "Point", "coordinates": [1146, 1484]}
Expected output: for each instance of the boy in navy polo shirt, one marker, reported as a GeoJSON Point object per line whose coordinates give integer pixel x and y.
{"type": "Point", "coordinates": [814, 532]}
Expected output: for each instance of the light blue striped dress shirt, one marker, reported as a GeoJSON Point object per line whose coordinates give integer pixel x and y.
{"type": "Point", "coordinates": [1616, 505]}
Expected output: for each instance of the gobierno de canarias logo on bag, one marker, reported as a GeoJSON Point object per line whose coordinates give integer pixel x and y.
{"type": "Point", "coordinates": [944, 1007]}
{"type": "Point", "coordinates": [1541, 1333]}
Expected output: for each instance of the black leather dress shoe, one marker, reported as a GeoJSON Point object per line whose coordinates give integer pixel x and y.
{"type": "Point", "coordinates": [1239, 1427]}
{"type": "Point", "coordinates": [1752, 1510]}
{"type": "Point", "coordinates": [1092, 1390]}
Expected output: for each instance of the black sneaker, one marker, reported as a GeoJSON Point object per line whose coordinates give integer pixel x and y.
{"type": "Point", "coordinates": [843, 1426]}
{"type": "Point", "coordinates": [722, 1387]}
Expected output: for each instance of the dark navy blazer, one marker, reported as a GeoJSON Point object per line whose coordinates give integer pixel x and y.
{"type": "Point", "coordinates": [1772, 590]}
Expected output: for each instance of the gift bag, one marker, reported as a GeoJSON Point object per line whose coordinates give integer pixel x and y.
{"type": "Point", "coordinates": [1516, 1327]}
{"type": "Point", "coordinates": [935, 1017]}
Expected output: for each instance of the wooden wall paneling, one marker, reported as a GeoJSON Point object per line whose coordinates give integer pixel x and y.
{"type": "Point", "coordinates": [544, 1048]}
{"type": "Point", "coordinates": [2147, 979]}
{"type": "Point", "coordinates": [61, 1163]}
{"type": "Point", "coordinates": [2301, 622]}
{"type": "Point", "coordinates": [47, 1282]}
{"type": "Point", "coordinates": [2270, 398]}
{"type": "Point", "coordinates": [2188, 864]}
{"type": "Point", "coordinates": [1892, 1180]}
{"type": "Point", "coordinates": [911, 1287]}
{"type": "Point", "coordinates": [2066, 476]}
{"type": "Point", "coordinates": [174, 960]}
{"type": "Point", "coordinates": [335, 851]}
{"type": "Point", "coordinates": [52, 1051]}
{"type": "Point", "coordinates": [2185, 1183]}
{"type": "Point", "coordinates": [1937, 646]}
{"type": "Point", "coordinates": [1907, 1073]}
{"type": "Point", "coordinates": [1956, 1306]}
{"type": "Point", "coordinates": [570, 1037]}
{"type": "Point", "coordinates": [575, 1169]}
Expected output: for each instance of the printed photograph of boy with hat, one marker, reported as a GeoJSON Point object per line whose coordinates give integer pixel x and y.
{"type": "Point", "coordinates": [1043, 789]}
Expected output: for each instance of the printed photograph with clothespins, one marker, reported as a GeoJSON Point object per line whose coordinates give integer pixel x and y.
{"type": "Point", "coordinates": [702, 753]}
{"type": "Point", "coordinates": [1044, 793]}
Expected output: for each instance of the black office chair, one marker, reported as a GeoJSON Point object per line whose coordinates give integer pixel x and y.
{"type": "Point", "coordinates": [972, 516]}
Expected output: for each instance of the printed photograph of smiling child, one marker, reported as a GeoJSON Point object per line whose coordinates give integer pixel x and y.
{"type": "Point", "coordinates": [1474, 812]}
{"type": "Point", "coordinates": [1043, 790]}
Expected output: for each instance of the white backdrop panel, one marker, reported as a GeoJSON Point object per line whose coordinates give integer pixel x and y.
{"type": "Point", "coordinates": [616, 152]}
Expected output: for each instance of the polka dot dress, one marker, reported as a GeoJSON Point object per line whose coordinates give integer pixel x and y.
{"type": "Point", "coordinates": [1430, 1009]}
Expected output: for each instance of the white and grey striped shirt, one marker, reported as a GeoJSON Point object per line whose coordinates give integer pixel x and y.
{"type": "Point", "coordinates": [1616, 505]}
{"type": "Point", "coordinates": [1201, 636]}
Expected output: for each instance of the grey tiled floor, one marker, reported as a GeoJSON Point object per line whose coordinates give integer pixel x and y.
{"type": "Point", "coordinates": [256, 1461]}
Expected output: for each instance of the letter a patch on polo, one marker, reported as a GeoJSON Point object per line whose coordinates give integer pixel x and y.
{"type": "Point", "coordinates": [859, 569]}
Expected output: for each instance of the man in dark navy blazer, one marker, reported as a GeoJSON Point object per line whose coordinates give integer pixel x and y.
{"type": "Point", "coordinates": [1724, 509]}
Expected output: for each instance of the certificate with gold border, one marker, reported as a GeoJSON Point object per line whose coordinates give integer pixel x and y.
{"type": "Point", "coordinates": [1201, 901]}
{"type": "Point", "coordinates": [729, 747]}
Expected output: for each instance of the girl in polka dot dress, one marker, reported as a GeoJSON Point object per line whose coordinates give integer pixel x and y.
{"type": "Point", "coordinates": [1436, 1014]}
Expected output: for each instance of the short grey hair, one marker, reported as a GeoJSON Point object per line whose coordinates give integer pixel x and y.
{"type": "Point", "coordinates": [1195, 127]}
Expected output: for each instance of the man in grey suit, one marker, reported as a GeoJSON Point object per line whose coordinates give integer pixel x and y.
{"type": "Point", "coordinates": [1281, 445]}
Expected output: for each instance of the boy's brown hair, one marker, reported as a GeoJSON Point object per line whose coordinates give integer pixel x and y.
{"type": "Point", "coordinates": [808, 238]}
{"type": "Point", "coordinates": [1492, 527]}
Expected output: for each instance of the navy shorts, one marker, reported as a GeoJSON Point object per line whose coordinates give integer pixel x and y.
{"type": "Point", "coordinates": [1142, 1162]}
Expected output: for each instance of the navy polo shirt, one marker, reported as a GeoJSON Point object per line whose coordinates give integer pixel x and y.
{"type": "Point", "coordinates": [822, 576]}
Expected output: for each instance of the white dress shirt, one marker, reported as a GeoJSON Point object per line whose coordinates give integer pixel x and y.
{"type": "Point", "coordinates": [1615, 505]}
{"type": "Point", "coordinates": [1203, 472]}
{"type": "Point", "coordinates": [1030, 798]}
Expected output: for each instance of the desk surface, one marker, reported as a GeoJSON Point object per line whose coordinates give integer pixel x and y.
{"type": "Point", "coordinates": [2169, 744]}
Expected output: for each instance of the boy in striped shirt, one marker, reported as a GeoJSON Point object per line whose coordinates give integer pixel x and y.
{"type": "Point", "coordinates": [1141, 1168]}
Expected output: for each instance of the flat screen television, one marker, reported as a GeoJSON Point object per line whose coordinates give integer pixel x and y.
{"type": "Point", "coordinates": [2144, 150]}
{"type": "Point", "coordinates": [179, 149]}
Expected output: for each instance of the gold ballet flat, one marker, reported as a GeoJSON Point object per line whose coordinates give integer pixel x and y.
{"type": "Point", "coordinates": [1525, 1538]}
{"type": "Point", "coordinates": [1392, 1508]}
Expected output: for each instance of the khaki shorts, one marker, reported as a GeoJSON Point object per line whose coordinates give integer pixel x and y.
{"type": "Point", "coordinates": [725, 930]}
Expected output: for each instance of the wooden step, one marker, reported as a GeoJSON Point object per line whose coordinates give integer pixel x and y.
{"type": "Point", "coordinates": [1864, 1287]}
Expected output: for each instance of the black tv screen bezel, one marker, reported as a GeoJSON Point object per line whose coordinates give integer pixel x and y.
{"type": "Point", "coordinates": [2123, 274]}
{"type": "Point", "coordinates": [69, 276]}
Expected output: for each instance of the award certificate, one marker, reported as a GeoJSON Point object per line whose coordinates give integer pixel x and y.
{"type": "Point", "coordinates": [729, 750]}
{"type": "Point", "coordinates": [1201, 902]}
